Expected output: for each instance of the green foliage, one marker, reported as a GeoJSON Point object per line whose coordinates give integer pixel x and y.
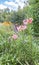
{"type": "Point", "coordinates": [35, 9]}
{"type": "Point", "coordinates": [23, 51]}
{"type": "Point", "coordinates": [18, 16]}
{"type": "Point", "coordinates": [33, 2]}
{"type": "Point", "coordinates": [36, 17]}
{"type": "Point", "coordinates": [12, 16]}
{"type": "Point", "coordinates": [28, 12]}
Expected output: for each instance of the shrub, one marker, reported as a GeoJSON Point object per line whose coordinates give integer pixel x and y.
{"type": "Point", "coordinates": [36, 18]}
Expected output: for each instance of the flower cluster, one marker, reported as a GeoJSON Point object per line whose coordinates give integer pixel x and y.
{"type": "Point", "coordinates": [22, 27]}
{"type": "Point", "coordinates": [6, 23]}
{"type": "Point", "coordinates": [26, 21]}
{"type": "Point", "coordinates": [14, 36]}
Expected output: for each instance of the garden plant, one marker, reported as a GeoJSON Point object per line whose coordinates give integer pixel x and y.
{"type": "Point", "coordinates": [18, 47]}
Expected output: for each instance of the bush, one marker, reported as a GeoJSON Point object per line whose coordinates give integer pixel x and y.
{"type": "Point", "coordinates": [36, 18]}
{"type": "Point", "coordinates": [35, 9]}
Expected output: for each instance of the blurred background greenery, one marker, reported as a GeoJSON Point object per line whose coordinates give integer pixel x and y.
{"type": "Point", "coordinates": [31, 10]}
